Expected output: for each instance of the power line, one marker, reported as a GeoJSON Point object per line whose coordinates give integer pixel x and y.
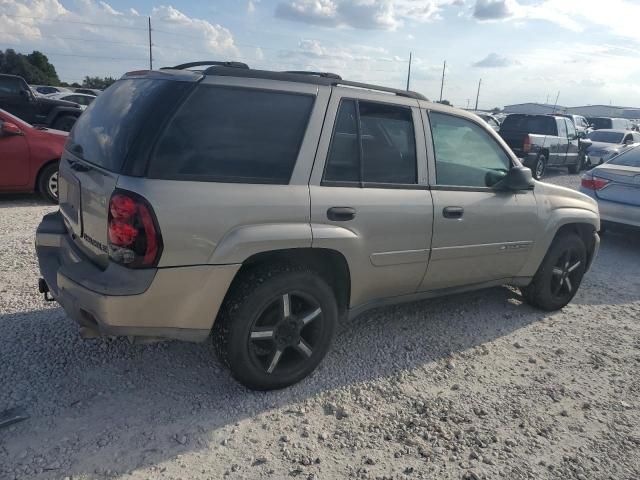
{"type": "Point", "coordinates": [60, 54]}
{"type": "Point", "coordinates": [79, 39]}
{"type": "Point", "coordinates": [110, 25]}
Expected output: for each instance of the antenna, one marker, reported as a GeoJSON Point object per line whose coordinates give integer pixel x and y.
{"type": "Point", "coordinates": [442, 84]}
{"type": "Point", "coordinates": [409, 72]}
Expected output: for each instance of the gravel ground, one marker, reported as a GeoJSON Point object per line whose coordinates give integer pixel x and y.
{"type": "Point", "coordinates": [468, 387]}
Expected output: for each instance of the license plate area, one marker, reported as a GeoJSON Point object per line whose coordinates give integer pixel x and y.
{"type": "Point", "coordinates": [69, 198]}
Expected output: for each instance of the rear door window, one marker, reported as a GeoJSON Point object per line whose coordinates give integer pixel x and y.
{"type": "Point", "coordinates": [235, 135]}
{"type": "Point", "coordinates": [381, 151]}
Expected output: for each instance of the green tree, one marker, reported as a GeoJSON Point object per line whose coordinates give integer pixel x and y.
{"type": "Point", "coordinates": [34, 68]}
{"type": "Point", "coordinates": [97, 82]}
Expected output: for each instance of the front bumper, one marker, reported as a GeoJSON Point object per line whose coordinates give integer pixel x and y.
{"type": "Point", "coordinates": [178, 302]}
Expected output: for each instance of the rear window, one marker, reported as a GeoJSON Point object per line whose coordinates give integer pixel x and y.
{"type": "Point", "coordinates": [236, 135]}
{"type": "Point", "coordinates": [540, 125]}
{"type": "Point", "coordinates": [601, 123]}
{"type": "Point", "coordinates": [606, 137]}
{"type": "Point", "coordinates": [107, 130]}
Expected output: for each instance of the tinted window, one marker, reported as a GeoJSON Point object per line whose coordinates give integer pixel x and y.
{"type": "Point", "coordinates": [233, 135]}
{"type": "Point", "coordinates": [538, 124]}
{"type": "Point", "coordinates": [388, 144]}
{"type": "Point", "coordinates": [601, 123]}
{"type": "Point", "coordinates": [109, 127]}
{"type": "Point", "coordinates": [606, 137]}
{"type": "Point", "coordinates": [10, 86]}
{"type": "Point", "coordinates": [630, 158]}
{"type": "Point", "coordinates": [466, 155]}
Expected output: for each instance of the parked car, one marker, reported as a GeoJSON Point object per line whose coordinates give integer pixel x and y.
{"type": "Point", "coordinates": [606, 143]}
{"type": "Point", "coordinates": [541, 141]}
{"type": "Point", "coordinates": [80, 98]}
{"type": "Point", "coordinates": [615, 185]}
{"type": "Point", "coordinates": [258, 208]}
{"type": "Point", "coordinates": [48, 90]}
{"type": "Point", "coordinates": [583, 128]}
{"type": "Point", "coordinates": [88, 91]}
{"type": "Point", "coordinates": [17, 98]}
{"type": "Point", "coordinates": [490, 119]}
{"type": "Point", "coordinates": [29, 157]}
{"type": "Point", "coordinates": [599, 123]}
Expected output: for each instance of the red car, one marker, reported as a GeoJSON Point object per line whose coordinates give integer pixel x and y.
{"type": "Point", "coordinates": [29, 157]}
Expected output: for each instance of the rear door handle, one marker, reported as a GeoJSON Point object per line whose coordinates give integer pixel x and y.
{"type": "Point", "coordinates": [452, 212]}
{"type": "Point", "coordinates": [341, 214]}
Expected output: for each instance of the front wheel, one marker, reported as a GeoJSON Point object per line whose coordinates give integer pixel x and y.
{"type": "Point", "coordinates": [48, 182]}
{"type": "Point", "coordinates": [275, 326]}
{"type": "Point", "coordinates": [560, 274]}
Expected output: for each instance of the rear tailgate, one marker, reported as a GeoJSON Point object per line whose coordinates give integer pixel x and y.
{"type": "Point", "coordinates": [84, 192]}
{"type": "Point", "coordinates": [623, 186]}
{"type": "Point", "coordinates": [515, 140]}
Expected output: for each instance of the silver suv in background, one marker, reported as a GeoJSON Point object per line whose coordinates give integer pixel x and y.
{"type": "Point", "coordinates": [259, 208]}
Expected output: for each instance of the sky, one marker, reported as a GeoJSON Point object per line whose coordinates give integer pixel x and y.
{"type": "Point", "coordinates": [586, 51]}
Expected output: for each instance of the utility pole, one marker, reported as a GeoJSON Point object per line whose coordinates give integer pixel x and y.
{"type": "Point", "coordinates": [150, 52]}
{"type": "Point", "coordinates": [409, 71]}
{"type": "Point", "coordinates": [442, 83]}
{"type": "Point", "coordinates": [478, 94]}
{"type": "Point", "coordinates": [556, 104]}
{"type": "Point", "coordinates": [468, 100]}
{"type": "Point", "coordinates": [547, 102]}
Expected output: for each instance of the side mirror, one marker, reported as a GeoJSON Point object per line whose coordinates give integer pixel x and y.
{"type": "Point", "coordinates": [10, 129]}
{"type": "Point", "coordinates": [26, 94]}
{"type": "Point", "coordinates": [516, 179]}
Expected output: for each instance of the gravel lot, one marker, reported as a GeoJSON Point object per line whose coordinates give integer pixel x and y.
{"type": "Point", "coordinates": [466, 387]}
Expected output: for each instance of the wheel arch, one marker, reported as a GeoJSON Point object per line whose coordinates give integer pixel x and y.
{"type": "Point", "coordinates": [330, 264]}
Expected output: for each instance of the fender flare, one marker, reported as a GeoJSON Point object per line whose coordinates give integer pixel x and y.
{"type": "Point", "coordinates": [57, 111]}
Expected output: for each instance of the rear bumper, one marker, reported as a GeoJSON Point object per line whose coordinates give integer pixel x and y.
{"type": "Point", "coordinates": [180, 302]}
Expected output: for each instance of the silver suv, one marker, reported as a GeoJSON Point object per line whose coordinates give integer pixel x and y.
{"type": "Point", "coordinates": [260, 208]}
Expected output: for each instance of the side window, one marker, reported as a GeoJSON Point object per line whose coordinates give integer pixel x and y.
{"type": "Point", "coordinates": [466, 155]}
{"type": "Point", "coordinates": [235, 135]}
{"type": "Point", "coordinates": [383, 150]}
{"type": "Point", "coordinates": [571, 129]}
{"type": "Point", "coordinates": [562, 127]}
{"type": "Point", "coordinates": [10, 87]}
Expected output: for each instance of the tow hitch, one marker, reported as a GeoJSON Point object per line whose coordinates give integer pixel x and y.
{"type": "Point", "coordinates": [44, 289]}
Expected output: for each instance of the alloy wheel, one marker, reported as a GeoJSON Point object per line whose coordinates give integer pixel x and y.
{"type": "Point", "coordinates": [286, 332]}
{"type": "Point", "coordinates": [52, 185]}
{"type": "Point", "coordinates": [565, 274]}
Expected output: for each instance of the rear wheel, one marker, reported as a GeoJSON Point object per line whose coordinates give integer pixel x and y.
{"type": "Point", "coordinates": [539, 167]}
{"type": "Point", "coordinates": [64, 123]}
{"type": "Point", "coordinates": [48, 182]}
{"type": "Point", "coordinates": [275, 326]}
{"type": "Point", "coordinates": [560, 274]}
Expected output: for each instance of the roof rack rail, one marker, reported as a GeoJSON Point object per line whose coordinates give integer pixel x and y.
{"type": "Point", "coordinates": [184, 66]}
{"type": "Point", "coordinates": [314, 78]}
{"type": "Point", "coordinates": [335, 76]}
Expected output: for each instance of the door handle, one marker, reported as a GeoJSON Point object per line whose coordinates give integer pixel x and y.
{"type": "Point", "coordinates": [341, 214]}
{"type": "Point", "coordinates": [452, 212]}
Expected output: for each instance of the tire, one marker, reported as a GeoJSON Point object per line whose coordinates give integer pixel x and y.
{"type": "Point", "coordinates": [577, 167]}
{"type": "Point", "coordinates": [559, 275]}
{"type": "Point", "coordinates": [65, 123]}
{"type": "Point", "coordinates": [539, 167]}
{"type": "Point", "coordinates": [48, 182]}
{"type": "Point", "coordinates": [269, 342]}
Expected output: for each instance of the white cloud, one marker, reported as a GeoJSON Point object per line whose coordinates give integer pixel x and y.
{"type": "Point", "coordinates": [494, 60]}
{"type": "Point", "coordinates": [363, 14]}
{"type": "Point", "coordinates": [94, 38]}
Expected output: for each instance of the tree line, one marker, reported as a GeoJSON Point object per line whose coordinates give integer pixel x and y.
{"type": "Point", "coordinates": [36, 69]}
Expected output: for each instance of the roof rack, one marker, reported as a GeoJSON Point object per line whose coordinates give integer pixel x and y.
{"type": "Point", "coordinates": [317, 74]}
{"type": "Point", "coordinates": [184, 66]}
{"type": "Point", "coordinates": [315, 78]}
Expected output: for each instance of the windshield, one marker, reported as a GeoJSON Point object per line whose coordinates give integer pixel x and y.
{"type": "Point", "coordinates": [606, 137]}
{"type": "Point", "coordinates": [105, 132]}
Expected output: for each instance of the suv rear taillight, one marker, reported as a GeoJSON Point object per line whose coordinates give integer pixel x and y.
{"type": "Point", "coordinates": [134, 237]}
{"type": "Point", "coordinates": [526, 146]}
{"type": "Point", "coordinates": [593, 183]}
